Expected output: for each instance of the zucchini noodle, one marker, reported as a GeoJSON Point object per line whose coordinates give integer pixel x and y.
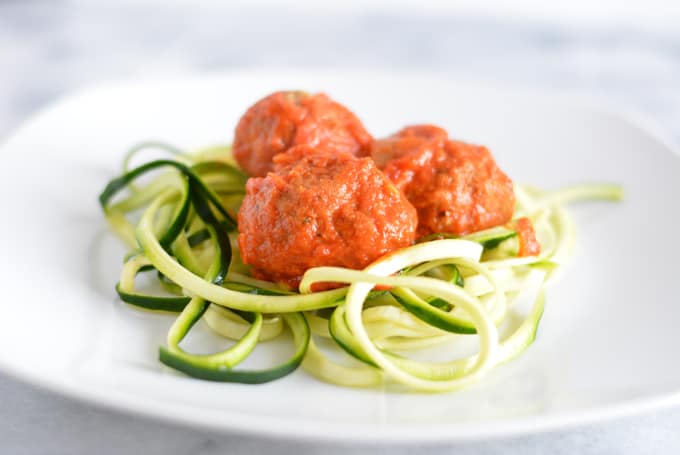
{"type": "Point", "coordinates": [444, 294]}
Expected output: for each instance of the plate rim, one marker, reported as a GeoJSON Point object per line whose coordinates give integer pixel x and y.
{"type": "Point", "coordinates": [273, 427]}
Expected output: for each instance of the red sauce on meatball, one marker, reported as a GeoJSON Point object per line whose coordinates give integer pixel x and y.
{"type": "Point", "coordinates": [411, 139]}
{"type": "Point", "coordinates": [321, 208]}
{"type": "Point", "coordinates": [285, 119]}
{"type": "Point", "coordinates": [455, 187]}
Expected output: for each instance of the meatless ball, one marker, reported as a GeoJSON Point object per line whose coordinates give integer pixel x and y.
{"type": "Point", "coordinates": [454, 186]}
{"type": "Point", "coordinates": [285, 119]}
{"type": "Point", "coordinates": [321, 208]}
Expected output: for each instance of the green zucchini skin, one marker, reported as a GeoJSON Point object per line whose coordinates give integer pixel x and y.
{"type": "Point", "coordinates": [196, 184]}
{"type": "Point", "coordinates": [301, 333]}
{"type": "Point", "coordinates": [337, 326]}
{"type": "Point", "coordinates": [488, 238]}
{"type": "Point", "coordinates": [431, 314]}
{"type": "Point", "coordinates": [155, 303]}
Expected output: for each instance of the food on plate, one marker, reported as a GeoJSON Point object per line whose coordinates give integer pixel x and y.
{"type": "Point", "coordinates": [424, 244]}
{"type": "Point", "coordinates": [320, 208]}
{"type": "Point", "coordinates": [288, 118]}
{"type": "Point", "coordinates": [455, 187]}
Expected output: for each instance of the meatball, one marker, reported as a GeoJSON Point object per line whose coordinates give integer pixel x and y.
{"type": "Point", "coordinates": [455, 187]}
{"type": "Point", "coordinates": [321, 208]}
{"type": "Point", "coordinates": [285, 119]}
{"type": "Point", "coordinates": [410, 139]}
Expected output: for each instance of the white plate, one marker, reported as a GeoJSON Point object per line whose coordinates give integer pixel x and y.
{"type": "Point", "coordinates": [606, 346]}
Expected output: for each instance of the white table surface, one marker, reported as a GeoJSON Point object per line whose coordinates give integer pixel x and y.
{"type": "Point", "coordinates": [48, 49]}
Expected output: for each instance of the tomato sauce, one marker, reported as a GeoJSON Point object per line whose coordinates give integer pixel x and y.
{"type": "Point", "coordinates": [528, 244]}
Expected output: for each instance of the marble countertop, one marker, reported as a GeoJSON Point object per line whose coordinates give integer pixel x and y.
{"type": "Point", "coordinates": [48, 49]}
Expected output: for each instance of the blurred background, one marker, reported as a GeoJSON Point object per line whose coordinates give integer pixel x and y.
{"type": "Point", "coordinates": [625, 52]}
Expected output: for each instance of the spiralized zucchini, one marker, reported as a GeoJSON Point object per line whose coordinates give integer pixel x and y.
{"type": "Point", "coordinates": [439, 294]}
